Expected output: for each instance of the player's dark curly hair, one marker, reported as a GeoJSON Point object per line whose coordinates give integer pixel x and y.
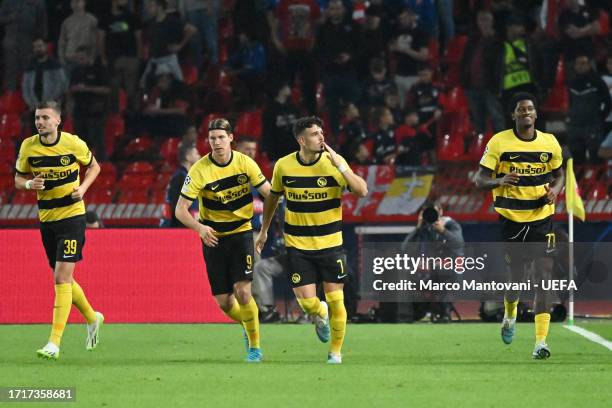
{"type": "Point", "coordinates": [523, 96]}
{"type": "Point", "coordinates": [304, 123]}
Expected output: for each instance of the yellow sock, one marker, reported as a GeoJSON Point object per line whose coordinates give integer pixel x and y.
{"type": "Point", "coordinates": [250, 319]}
{"type": "Point", "coordinates": [61, 311]}
{"type": "Point", "coordinates": [234, 312]}
{"type": "Point", "coordinates": [337, 319]}
{"type": "Point", "coordinates": [312, 306]}
{"type": "Point", "coordinates": [81, 303]}
{"type": "Point", "coordinates": [510, 309]}
{"type": "Point", "coordinates": [542, 321]}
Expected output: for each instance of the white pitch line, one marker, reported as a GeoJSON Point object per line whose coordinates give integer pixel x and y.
{"type": "Point", "coordinates": [596, 338]}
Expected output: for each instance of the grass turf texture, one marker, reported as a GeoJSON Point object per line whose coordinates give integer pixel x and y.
{"type": "Point", "coordinates": [458, 365]}
{"type": "Point", "coordinates": [601, 327]}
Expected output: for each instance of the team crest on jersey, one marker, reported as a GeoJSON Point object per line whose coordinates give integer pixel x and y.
{"type": "Point", "coordinates": [321, 182]}
{"type": "Point", "coordinates": [296, 278]}
{"type": "Point", "coordinates": [242, 179]}
{"type": "Point", "coordinates": [544, 157]}
{"type": "Point", "coordinates": [65, 160]}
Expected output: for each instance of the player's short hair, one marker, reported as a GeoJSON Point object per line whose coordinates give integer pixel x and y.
{"type": "Point", "coordinates": [247, 139]}
{"type": "Point", "coordinates": [523, 96]}
{"type": "Point", "coordinates": [304, 123]}
{"type": "Point", "coordinates": [183, 151]}
{"type": "Point", "coordinates": [220, 124]}
{"type": "Point", "coordinates": [50, 105]}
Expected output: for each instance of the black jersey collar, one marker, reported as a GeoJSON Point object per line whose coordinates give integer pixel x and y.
{"type": "Point", "coordinates": [210, 156]}
{"type": "Point", "coordinates": [59, 134]}
{"type": "Point", "coordinates": [299, 159]}
{"type": "Point", "coordinates": [535, 135]}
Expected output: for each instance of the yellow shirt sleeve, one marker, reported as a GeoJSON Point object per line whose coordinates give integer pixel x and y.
{"type": "Point", "coordinates": [82, 152]}
{"type": "Point", "coordinates": [490, 158]}
{"type": "Point", "coordinates": [557, 159]}
{"type": "Point", "coordinates": [256, 177]}
{"type": "Point", "coordinates": [194, 183]}
{"type": "Point", "coordinates": [277, 179]}
{"type": "Point", "coordinates": [23, 165]}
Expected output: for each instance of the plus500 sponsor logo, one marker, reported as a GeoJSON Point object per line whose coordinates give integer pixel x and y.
{"type": "Point", "coordinates": [306, 195]}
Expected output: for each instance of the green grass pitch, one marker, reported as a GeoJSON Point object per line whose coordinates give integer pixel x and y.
{"type": "Point", "coordinates": [419, 365]}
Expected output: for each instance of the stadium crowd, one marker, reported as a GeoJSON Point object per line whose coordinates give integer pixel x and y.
{"type": "Point", "coordinates": [407, 82]}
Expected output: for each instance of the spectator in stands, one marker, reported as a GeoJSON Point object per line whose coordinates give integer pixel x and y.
{"type": "Point", "coordinates": [413, 140]}
{"type": "Point", "coordinates": [607, 78]}
{"type": "Point", "coordinates": [167, 36]}
{"type": "Point", "coordinates": [293, 25]}
{"type": "Point", "coordinates": [424, 97]}
{"type": "Point", "coordinates": [377, 83]}
{"type": "Point", "coordinates": [166, 106]}
{"type": "Point", "coordinates": [477, 76]}
{"type": "Point", "coordinates": [352, 130]}
{"type": "Point", "coordinates": [190, 136]}
{"type": "Point", "coordinates": [89, 90]}
{"type": "Point", "coordinates": [427, 15]}
{"type": "Point", "coordinates": [248, 146]}
{"type": "Point", "coordinates": [44, 79]}
{"type": "Point", "coordinates": [385, 148]}
{"type": "Point", "coordinates": [79, 31]}
{"type": "Point", "coordinates": [409, 45]}
{"type": "Point", "coordinates": [375, 37]}
{"type": "Point", "coordinates": [358, 154]}
{"type": "Point", "coordinates": [92, 220]}
{"type": "Point", "coordinates": [203, 15]}
{"type": "Point", "coordinates": [517, 63]}
{"type": "Point", "coordinates": [339, 44]}
{"type": "Point", "coordinates": [278, 119]}
{"type": "Point", "coordinates": [392, 102]}
{"type": "Point", "coordinates": [589, 106]}
{"type": "Point", "coordinates": [605, 150]}
{"type": "Point", "coordinates": [121, 50]}
{"type": "Point", "coordinates": [577, 26]}
{"type": "Point", "coordinates": [248, 64]}
{"type": "Point", "coordinates": [23, 22]}
{"type": "Point", "coordinates": [187, 155]}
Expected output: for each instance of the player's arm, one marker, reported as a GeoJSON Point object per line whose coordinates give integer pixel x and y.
{"type": "Point", "coordinates": [264, 189]}
{"type": "Point", "coordinates": [356, 184]}
{"type": "Point", "coordinates": [484, 179]}
{"type": "Point", "coordinates": [22, 182]}
{"type": "Point", "coordinates": [206, 233]}
{"type": "Point", "coordinates": [270, 204]}
{"type": "Point", "coordinates": [554, 189]}
{"type": "Point", "coordinates": [90, 175]}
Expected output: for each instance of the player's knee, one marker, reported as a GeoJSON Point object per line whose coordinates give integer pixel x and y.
{"type": "Point", "coordinates": [243, 294]}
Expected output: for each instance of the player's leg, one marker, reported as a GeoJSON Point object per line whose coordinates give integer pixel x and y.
{"type": "Point", "coordinates": [334, 272]}
{"type": "Point", "coordinates": [541, 307]}
{"type": "Point", "coordinates": [241, 275]}
{"type": "Point", "coordinates": [303, 278]}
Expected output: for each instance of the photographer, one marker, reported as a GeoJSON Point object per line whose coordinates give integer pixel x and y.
{"type": "Point", "coordinates": [437, 236]}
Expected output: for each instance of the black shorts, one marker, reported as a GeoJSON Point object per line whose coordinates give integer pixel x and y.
{"type": "Point", "coordinates": [529, 240]}
{"type": "Point", "coordinates": [327, 265]}
{"type": "Point", "coordinates": [229, 262]}
{"type": "Point", "coordinates": [64, 239]}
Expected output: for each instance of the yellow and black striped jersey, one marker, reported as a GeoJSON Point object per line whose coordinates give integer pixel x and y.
{"type": "Point", "coordinates": [224, 192]}
{"type": "Point", "coordinates": [313, 195]}
{"type": "Point", "coordinates": [534, 161]}
{"type": "Point", "coordinates": [59, 164]}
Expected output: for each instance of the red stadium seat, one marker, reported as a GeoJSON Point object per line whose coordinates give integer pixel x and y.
{"type": "Point", "coordinates": [218, 99]}
{"type": "Point", "coordinates": [108, 170]}
{"type": "Point", "coordinates": [478, 145]}
{"type": "Point", "coordinates": [123, 100]}
{"type": "Point", "coordinates": [115, 127]}
{"type": "Point", "coordinates": [12, 102]}
{"type": "Point", "coordinates": [190, 74]}
{"type": "Point", "coordinates": [203, 130]}
{"type": "Point", "coordinates": [6, 169]}
{"type": "Point", "coordinates": [203, 146]}
{"type": "Point", "coordinates": [169, 150]}
{"type": "Point", "coordinates": [24, 197]}
{"type": "Point", "coordinates": [455, 100]}
{"type": "Point", "coordinates": [454, 50]}
{"type": "Point", "coordinates": [434, 53]}
{"type": "Point", "coordinates": [250, 124]}
{"type": "Point", "coordinates": [162, 180]}
{"type": "Point", "coordinates": [135, 181]}
{"type": "Point", "coordinates": [138, 145]}
{"type": "Point", "coordinates": [100, 196]}
{"type": "Point", "coordinates": [158, 196]}
{"type": "Point", "coordinates": [10, 125]}
{"type": "Point", "coordinates": [450, 148]}
{"type": "Point", "coordinates": [7, 182]}
{"type": "Point", "coordinates": [557, 100]}
{"type": "Point", "coordinates": [139, 167]}
{"type": "Point", "coordinates": [130, 196]}
{"type": "Point", "coordinates": [7, 151]}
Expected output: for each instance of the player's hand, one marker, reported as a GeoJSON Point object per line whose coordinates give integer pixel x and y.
{"type": "Point", "coordinates": [78, 193]}
{"type": "Point", "coordinates": [207, 234]}
{"type": "Point", "coordinates": [511, 179]}
{"type": "Point", "coordinates": [262, 237]}
{"type": "Point", "coordinates": [332, 155]}
{"type": "Point", "coordinates": [38, 183]}
{"type": "Point", "coordinates": [551, 194]}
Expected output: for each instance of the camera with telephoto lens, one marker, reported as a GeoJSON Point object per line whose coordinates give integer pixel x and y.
{"type": "Point", "coordinates": [430, 214]}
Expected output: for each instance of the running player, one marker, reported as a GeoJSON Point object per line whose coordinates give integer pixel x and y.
{"type": "Point", "coordinates": [522, 167]}
{"type": "Point", "coordinates": [221, 181]}
{"type": "Point", "coordinates": [53, 159]}
{"type": "Point", "coordinates": [312, 181]}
